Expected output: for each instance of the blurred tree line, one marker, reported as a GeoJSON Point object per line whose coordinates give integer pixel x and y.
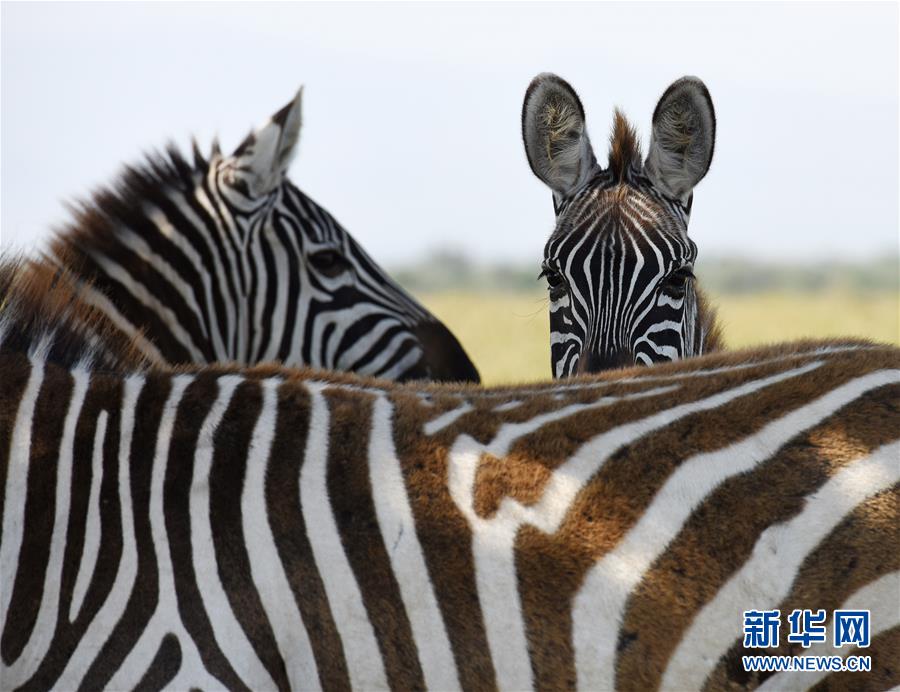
{"type": "Point", "coordinates": [452, 270]}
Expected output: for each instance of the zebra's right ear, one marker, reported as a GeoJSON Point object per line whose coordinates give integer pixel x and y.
{"type": "Point", "coordinates": [683, 140]}
{"type": "Point", "coordinates": [556, 140]}
{"type": "Point", "coordinates": [262, 159]}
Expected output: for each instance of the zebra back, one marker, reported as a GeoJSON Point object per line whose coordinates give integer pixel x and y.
{"type": "Point", "coordinates": [283, 529]}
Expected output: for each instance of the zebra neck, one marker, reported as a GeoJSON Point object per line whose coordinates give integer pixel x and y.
{"type": "Point", "coordinates": [167, 273]}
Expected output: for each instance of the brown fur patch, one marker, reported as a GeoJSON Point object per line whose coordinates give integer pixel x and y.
{"type": "Point", "coordinates": [444, 534]}
{"type": "Point", "coordinates": [624, 147]}
{"type": "Point", "coordinates": [885, 653]}
{"type": "Point", "coordinates": [37, 299]}
{"type": "Point", "coordinates": [708, 321]}
{"type": "Point", "coordinates": [524, 472]}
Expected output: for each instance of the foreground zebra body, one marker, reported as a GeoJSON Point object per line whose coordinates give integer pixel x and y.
{"type": "Point", "coordinates": [225, 260]}
{"type": "Point", "coordinates": [269, 528]}
{"type": "Point", "coordinates": [619, 263]}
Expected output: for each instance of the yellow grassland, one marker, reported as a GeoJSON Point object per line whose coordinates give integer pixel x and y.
{"type": "Point", "coordinates": [507, 334]}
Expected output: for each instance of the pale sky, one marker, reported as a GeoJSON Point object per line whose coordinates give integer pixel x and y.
{"type": "Point", "coordinates": [411, 133]}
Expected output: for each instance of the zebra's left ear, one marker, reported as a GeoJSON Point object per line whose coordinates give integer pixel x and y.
{"type": "Point", "coordinates": [263, 157]}
{"type": "Point", "coordinates": [556, 139]}
{"type": "Point", "coordinates": [683, 139]}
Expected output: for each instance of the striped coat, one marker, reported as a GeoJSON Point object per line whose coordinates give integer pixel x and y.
{"type": "Point", "coordinates": [294, 529]}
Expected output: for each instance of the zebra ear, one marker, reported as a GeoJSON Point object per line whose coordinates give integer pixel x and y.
{"type": "Point", "coordinates": [683, 139]}
{"type": "Point", "coordinates": [556, 140]}
{"type": "Point", "coordinates": [263, 157]}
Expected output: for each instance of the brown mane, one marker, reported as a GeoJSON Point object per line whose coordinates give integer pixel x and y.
{"type": "Point", "coordinates": [708, 322]}
{"type": "Point", "coordinates": [39, 301]}
{"type": "Point", "coordinates": [624, 147]}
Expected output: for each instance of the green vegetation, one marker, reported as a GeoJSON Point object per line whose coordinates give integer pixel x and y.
{"type": "Point", "coordinates": [501, 315]}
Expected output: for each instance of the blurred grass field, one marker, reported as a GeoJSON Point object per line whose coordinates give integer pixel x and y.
{"type": "Point", "coordinates": [507, 333]}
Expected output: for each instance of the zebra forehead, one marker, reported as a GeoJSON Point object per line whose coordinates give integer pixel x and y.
{"type": "Point", "coordinates": [617, 212]}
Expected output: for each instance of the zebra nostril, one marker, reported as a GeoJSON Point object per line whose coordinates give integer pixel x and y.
{"type": "Point", "coordinates": [444, 356]}
{"type": "Point", "coordinates": [591, 361]}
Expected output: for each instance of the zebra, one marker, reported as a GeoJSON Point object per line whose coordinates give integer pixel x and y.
{"type": "Point", "coordinates": [269, 528]}
{"type": "Point", "coordinates": [224, 259]}
{"type": "Point", "coordinates": [619, 264]}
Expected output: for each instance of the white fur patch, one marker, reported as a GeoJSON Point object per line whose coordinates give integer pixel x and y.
{"type": "Point", "coordinates": [364, 662]}
{"type": "Point", "coordinates": [398, 531]}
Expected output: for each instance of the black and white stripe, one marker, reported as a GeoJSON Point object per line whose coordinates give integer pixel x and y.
{"type": "Point", "coordinates": [225, 260]}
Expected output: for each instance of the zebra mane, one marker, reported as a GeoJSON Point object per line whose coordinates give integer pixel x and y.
{"type": "Point", "coordinates": [624, 147]}
{"type": "Point", "coordinates": [96, 219]}
{"type": "Point", "coordinates": [43, 315]}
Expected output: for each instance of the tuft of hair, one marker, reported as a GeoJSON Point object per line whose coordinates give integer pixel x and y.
{"type": "Point", "coordinates": [42, 315]}
{"type": "Point", "coordinates": [624, 147]}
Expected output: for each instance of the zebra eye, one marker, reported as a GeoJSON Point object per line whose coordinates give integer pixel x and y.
{"type": "Point", "coordinates": [676, 283]}
{"type": "Point", "coordinates": [327, 262]}
{"type": "Point", "coordinates": [556, 284]}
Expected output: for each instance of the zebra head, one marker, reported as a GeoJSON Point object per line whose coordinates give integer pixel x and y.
{"type": "Point", "coordinates": [619, 264]}
{"type": "Point", "coordinates": [224, 259]}
{"type": "Point", "coordinates": [355, 316]}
